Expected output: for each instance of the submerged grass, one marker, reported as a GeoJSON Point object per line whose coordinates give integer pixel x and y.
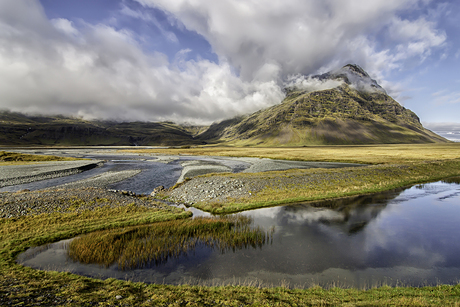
{"type": "Point", "coordinates": [138, 247]}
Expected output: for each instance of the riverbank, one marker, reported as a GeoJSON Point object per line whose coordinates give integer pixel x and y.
{"type": "Point", "coordinates": [40, 217]}
{"type": "Point", "coordinates": [229, 193]}
{"type": "Point", "coordinates": [25, 286]}
{"type": "Point", "coordinates": [70, 200]}
{"type": "Point", "coordinates": [21, 174]}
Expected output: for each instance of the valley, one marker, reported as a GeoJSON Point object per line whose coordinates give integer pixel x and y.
{"type": "Point", "coordinates": [91, 210]}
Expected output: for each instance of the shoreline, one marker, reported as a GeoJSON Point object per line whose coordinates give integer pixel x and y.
{"type": "Point", "coordinates": [231, 193]}
{"type": "Point", "coordinates": [20, 174]}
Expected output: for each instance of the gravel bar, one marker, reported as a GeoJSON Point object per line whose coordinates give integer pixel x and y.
{"type": "Point", "coordinates": [224, 188]}
{"type": "Point", "coordinates": [20, 174]}
{"type": "Point", "coordinates": [102, 180]}
{"type": "Point", "coordinates": [69, 200]}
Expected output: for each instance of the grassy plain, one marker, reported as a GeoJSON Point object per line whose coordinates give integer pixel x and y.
{"type": "Point", "coordinates": [14, 158]}
{"type": "Point", "coordinates": [293, 186]}
{"type": "Point", "coordinates": [24, 286]}
{"type": "Point", "coordinates": [368, 154]}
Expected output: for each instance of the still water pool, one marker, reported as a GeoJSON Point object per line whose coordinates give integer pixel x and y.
{"type": "Point", "coordinates": [404, 237]}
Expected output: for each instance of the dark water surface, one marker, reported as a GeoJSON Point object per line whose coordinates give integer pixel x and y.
{"type": "Point", "coordinates": [406, 237]}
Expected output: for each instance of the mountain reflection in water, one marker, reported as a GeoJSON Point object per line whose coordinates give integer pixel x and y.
{"type": "Point", "coordinates": [404, 237]}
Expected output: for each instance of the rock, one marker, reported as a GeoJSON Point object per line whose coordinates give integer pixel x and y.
{"type": "Point", "coordinates": [22, 191]}
{"type": "Point", "coordinates": [157, 190]}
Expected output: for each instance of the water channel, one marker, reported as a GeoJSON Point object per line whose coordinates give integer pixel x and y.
{"type": "Point", "coordinates": [407, 237]}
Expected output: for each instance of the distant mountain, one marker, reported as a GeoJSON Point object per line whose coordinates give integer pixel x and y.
{"type": "Point", "coordinates": [20, 129]}
{"type": "Point", "coordinates": [343, 107]}
{"type": "Point", "coordinates": [356, 111]}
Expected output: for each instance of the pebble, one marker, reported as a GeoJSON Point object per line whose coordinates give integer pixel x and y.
{"type": "Point", "coordinates": [26, 203]}
{"type": "Point", "coordinates": [222, 188]}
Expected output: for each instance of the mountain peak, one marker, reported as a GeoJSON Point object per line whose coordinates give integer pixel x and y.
{"type": "Point", "coordinates": [351, 74]}
{"type": "Point", "coordinates": [354, 69]}
{"type": "Point", "coordinates": [354, 75]}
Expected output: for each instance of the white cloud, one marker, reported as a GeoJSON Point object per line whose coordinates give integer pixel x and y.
{"type": "Point", "coordinates": [310, 84]}
{"type": "Point", "coordinates": [125, 10]}
{"type": "Point", "coordinates": [305, 36]}
{"type": "Point", "coordinates": [101, 71]}
{"type": "Point", "coordinates": [105, 74]}
{"type": "Point", "coordinates": [65, 26]}
{"type": "Point", "coordinates": [416, 37]}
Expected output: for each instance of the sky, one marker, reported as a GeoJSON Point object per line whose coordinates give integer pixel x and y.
{"type": "Point", "coordinates": [201, 61]}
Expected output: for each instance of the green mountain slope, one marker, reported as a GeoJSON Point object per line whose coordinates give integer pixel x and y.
{"type": "Point", "coordinates": [356, 112]}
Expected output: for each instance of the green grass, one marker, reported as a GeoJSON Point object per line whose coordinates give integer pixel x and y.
{"type": "Point", "coordinates": [33, 286]}
{"type": "Point", "coordinates": [137, 247]}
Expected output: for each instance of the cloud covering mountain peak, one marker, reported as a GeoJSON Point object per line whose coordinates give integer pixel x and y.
{"type": "Point", "coordinates": [104, 70]}
{"type": "Point", "coordinates": [351, 74]}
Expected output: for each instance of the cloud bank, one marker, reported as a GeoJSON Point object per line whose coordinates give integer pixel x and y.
{"type": "Point", "coordinates": [450, 131]}
{"type": "Point", "coordinates": [100, 71]}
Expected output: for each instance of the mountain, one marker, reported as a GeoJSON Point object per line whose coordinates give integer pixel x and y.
{"type": "Point", "coordinates": [340, 107]}
{"type": "Point", "coordinates": [357, 111]}
{"type": "Point", "coordinates": [20, 129]}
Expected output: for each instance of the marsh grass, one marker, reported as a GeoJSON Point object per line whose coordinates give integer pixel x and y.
{"type": "Point", "coordinates": [24, 286]}
{"type": "Point", "coordinates": [145, 246]}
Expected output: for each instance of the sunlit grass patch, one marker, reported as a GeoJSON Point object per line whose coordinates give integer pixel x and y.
{"type": "Point", "coordinates": [138, 247]}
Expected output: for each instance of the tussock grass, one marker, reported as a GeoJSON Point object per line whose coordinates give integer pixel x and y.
{"type": "Point", "coordinates": [137, 247]}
